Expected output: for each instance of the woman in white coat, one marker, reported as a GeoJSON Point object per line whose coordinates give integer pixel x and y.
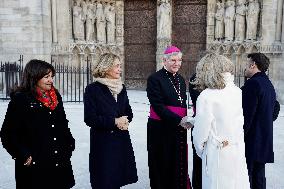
{"type": "Point", "coordinates": [218, 129]}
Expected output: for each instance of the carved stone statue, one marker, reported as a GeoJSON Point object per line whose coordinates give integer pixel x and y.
{"type": "Point", "coordinates": [110, 22]}
{"type": "Point", "coordinates": [84, 6]}
{"type": "Point", "coordinates": [252, 19]}
{"type": "Point", "coordinates": [101, 23]}
{"type": "Point", "coordinates": [164, 16]}
{"type": "Point", "coordinates": [229, 20]}
{"type": "Point", "coordinates": [90, 20]}
{"type": "Point", "coordinates": [219, 21]}
{"type": "Point", "coordinates": [78, 21]}
{"type": "Point", "coordinates": [240, 21]}
{"type": "Point", "coordinates": [94, 8]}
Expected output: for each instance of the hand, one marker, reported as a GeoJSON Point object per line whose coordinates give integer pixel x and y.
{"type": "Point", "coordinates": [186, 122]}
{"type": "Point", "coordinates": [122, 123]}
{"type": "Point", "coordinates": [29, 161]}
{"type": "Point", "coordinates": [187, 125]}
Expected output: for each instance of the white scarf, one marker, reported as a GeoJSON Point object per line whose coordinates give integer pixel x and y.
{"type": "Point", "coordinates": [114, 85]}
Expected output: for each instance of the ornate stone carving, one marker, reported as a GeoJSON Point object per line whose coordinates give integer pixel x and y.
{"type": "Point", "coordinates": [233, 48]}
{"type": "Point", "coordinates": [110, 22]}
{"type": "Point", "coordinates": [229, 20]}
{"type": "Point", "coordinates": [78, 21]}
{"type": "Point", "coordinates": [240, 21]}
{"type": "Point", "coordinates": [164, 17]}
{"type": "Point", "coordinates": [219, 21]}
{"type": "Point", "coordinates": [252, 19]}
{"type": "Point", "coordinates": [90, 20]}
{"type": "Point", "coordinates": [96, 21]}
{"type": "Point", "coordinates": [84, 5]}
{"type": "Point", "coordinates": [101, 23]}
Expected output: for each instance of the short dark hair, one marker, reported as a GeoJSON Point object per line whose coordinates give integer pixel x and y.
{"type": "Point", "coordinates": [261, 61]}
{"type": "Point", "coordinates": [33, 72]}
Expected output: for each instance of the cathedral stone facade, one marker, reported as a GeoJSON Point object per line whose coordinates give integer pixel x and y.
{"type": "Point", "coordinates": [70, 31]}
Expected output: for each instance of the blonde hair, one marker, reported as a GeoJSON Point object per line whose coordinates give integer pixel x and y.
{"type": "Point", "coordinates": [104, 63]}
{"type": "Point", "coordinates": [209, 71]}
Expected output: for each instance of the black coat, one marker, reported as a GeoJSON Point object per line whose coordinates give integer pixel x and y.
{"type": "Point", "coordinates": [258, 106]}
{"type": "Point", "coordinates": [166, 140]}
{"type": "Point", "coordinates": [194, 93]}
{"type": "Point", "coordinates": [31, 129]}
{"type": "Point", "coordinates": [112, 161]}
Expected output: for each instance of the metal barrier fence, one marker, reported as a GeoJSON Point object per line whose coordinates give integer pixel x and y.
{"type": "Point", "coordinates": [71, 81]}
{"type": "Point", "coordinates": [10, 75]}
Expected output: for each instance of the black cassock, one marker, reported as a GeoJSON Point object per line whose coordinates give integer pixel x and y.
{"type": "Point", "coordinates": [166, 140]}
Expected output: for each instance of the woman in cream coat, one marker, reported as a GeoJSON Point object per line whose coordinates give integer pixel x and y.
{"type": "Point", "coordinates": [218, 129]}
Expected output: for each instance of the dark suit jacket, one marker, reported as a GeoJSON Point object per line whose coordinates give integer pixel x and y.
{"type": "Point", "coordinates": [194, 93]}
{"type": "Point", "coordinates": [258, 106]}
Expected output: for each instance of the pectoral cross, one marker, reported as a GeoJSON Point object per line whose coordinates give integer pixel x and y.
{"type": "Point", "coordinates": [180, 99]}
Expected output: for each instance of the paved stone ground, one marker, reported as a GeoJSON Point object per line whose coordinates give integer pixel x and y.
{"type": "Point", "coordinates": [137, 130]}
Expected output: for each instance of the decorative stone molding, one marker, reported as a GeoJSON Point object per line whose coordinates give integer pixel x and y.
{"type": "Point", "coordinates": [57, 49]}
{"type": "Point", "coordinates": [272, 49]}
{"type": "Point", "coordinates": [86, 48]}
{"type": "Point", "coordinates": [235, 48]}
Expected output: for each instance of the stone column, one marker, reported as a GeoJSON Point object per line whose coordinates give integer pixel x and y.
{"type": "Point", "coordinates": [93, 58]}
{"type": "Point", "coordinates": [163, 38]}
{"type": "Point", "coordinates": [211, 7]}
{"type": "Point", "coordinates": [279, 20]}
{"type": "Point", "coordinates": [268, 21]}
{"type": "Point", "coordinates": [64, 31]}
{"type": "Point", "coordinates": [282, 33]}
{"type": "Point", "coordinates": [119, 32]}
{"type": "Point", "coordinates": [46, 31]}
{"type": "Point", "coordinates": [92, 62]}
{"type": "Point", "coordinates": [54, 20]}
{"type": "Point", "coordinates": [81, 59]}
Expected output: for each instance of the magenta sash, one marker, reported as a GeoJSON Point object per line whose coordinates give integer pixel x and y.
{"type": "Point", "coordinates": [177, 110]}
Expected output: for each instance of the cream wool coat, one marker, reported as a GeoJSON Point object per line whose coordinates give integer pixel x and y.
{"type": "Point", "coordinates": [219, 117]}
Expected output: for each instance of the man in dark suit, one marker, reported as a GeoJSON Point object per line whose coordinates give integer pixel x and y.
{"type": "Point", "coordinates": [258, 104]}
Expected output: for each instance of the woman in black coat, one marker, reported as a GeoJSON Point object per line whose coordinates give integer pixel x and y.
{"type": "Point", "coordinates": [108, 113]}
{"type": "Point", "coordinates": [35, 132]}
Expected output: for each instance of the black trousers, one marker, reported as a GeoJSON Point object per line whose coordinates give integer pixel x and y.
{"type": "Point", "coordinates": [197, 169]}
{"type": "Point", "coordinates": [257, 175]}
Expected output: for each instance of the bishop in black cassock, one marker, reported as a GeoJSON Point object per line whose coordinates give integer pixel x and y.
{"type": "Point", "coordinates": [166, 139]}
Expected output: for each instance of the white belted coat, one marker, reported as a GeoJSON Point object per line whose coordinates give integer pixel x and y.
{"type": "Point", "coordinates": [219, 117]}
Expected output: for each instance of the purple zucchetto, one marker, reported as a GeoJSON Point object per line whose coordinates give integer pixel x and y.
{"type": "Point", "coordinates": [171, 49]}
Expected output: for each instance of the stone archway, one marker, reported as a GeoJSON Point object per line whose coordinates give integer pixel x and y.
{"type": "Point", "coordinates": [140, 41]}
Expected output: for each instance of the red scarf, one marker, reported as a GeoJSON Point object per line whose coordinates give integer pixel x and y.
{"type": "Point", "coordinates": [48, 98]}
